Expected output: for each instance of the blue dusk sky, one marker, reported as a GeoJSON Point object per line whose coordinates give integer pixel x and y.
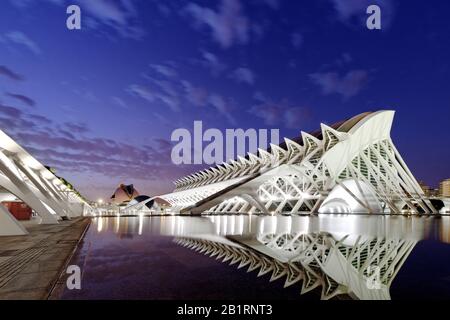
{"type": "Point", "coordinates": [99, 104]}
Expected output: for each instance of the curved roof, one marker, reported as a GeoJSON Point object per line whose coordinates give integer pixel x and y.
{"type": "Point", "coordinates": [141, 198]}
{"type": "Point", "coordinates": [138, 199]}
{"type": "Point", "coordinates": [344, 126]}
{"type": "Point", "coordinates": [350, 123]}
{"type": "Point", "coordinates": [124, 193]}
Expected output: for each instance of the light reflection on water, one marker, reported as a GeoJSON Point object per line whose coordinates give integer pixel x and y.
{"type": "Point", "coordinates": [361, 257]}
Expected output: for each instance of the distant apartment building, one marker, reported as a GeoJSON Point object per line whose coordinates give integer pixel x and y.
{"type": "Point", "coordinates": [444, 188]}
{"type": "Point", "coordinates": [429, 191]}
{"type": "Point", "coordinates": [434, 193]}
{"type": "Point", "coordinates": [425, 188]}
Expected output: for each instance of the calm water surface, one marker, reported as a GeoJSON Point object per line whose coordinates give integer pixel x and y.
{"type": "Point", "coordinates": [264, 257]}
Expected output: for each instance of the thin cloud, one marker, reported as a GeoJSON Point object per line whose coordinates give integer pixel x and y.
{"type": "Point", "coordinates": [5, 71]}
{"type": "Point", "coordinates": [197, 96]}
{"type": "Point", "coordinates": [243, 75]}
{"type": "Point", "coordinates": [165, 94]}
{"type": "Point", "coordinates": [21, 38]}
{"type": "Point", "coordinates": [175, 92]}
{"type": "Point", "coordinates": [75, 127]}
{"type": "Point", "coordinates": [67, 147]}
{"type": "Point", "coordinates": [164, 70]}
{"type": "Point", "coordinates": [141, 92]}
{"type": "Point", "coordinates": [212, 62]}
{"type": "Point", "coordinates": [120, 16]}
{"type": "Point", "coordinates": [120, 102]}
{"type": "Point", "coordinates": [228, 24]}
{"type": "Point", "coordinates": [22, 98]}
{"type": "Point", "coordinates": [222, 106]}
{"type": "Point", "coordinates": [281, 113]}
{"type": "Point", "coordinates": [274, 4]}
{"type": "Point", "coordinates": [296, 40]}
{"type": "Point", "coordinates": [354, 11]}
{"type": "Point", "coordinates": [348, 85]}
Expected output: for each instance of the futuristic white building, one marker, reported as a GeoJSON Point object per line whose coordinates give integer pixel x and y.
{"type": "Point", "coordinates": [349, 167]}
{"type": "Point", "coordinates": [23, 177]}
{"type": "Point", "coordinates": [317, 260]}
{"type": "Point", "coordinates": [357, 256]}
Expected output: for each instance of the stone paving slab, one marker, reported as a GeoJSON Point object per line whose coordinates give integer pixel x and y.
{"type": "Point", "coordinates": [36, 294]}
{"type": "Point", "coordinates": [31, 264]}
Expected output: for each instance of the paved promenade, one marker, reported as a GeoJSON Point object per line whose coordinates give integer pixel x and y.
{"type": "Point", "coordinates": [30, 265]}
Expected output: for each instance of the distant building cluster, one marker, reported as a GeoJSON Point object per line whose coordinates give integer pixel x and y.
{"type": "Point", "coordinates": [442, 191]}
{"type": "Point", "coordinates": [429, 191]}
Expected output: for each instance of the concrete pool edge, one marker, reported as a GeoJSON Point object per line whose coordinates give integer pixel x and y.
{"type": "Point", "coordinates": [57, 286]}
{"type": "Point", "coordinates": [36, 261]}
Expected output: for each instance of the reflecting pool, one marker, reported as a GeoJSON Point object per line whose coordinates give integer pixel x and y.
{"type": "Point", "coordinates": [264, 257]}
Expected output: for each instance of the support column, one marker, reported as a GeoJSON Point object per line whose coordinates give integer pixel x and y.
{"type": "Point", "coordinates": [49, 197]}
{"type": "Point", "coordinates": [57, 193]}
{"type": "Point", "coordinates": [18, 187]}
{"type": "Point", "coordinates": [9, 226]}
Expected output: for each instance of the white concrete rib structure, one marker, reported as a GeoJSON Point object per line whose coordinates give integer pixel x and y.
{"type": "Point", "coordinates": [363, 270]}
{"type": "Point", "coordinates": [359, 257]}
{"type": "Point", "coordinates": [349, 167]}
{"type": "Point", "coordinates": [25, 178]}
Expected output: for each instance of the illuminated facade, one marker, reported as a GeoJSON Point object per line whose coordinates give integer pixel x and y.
{"type": "Point", "coordinates": [313, 253]}
{"type": "Point", "coordinates": [23, 177]}
{"type": "Point", "coordinates": [317, 260]}
{"type": "Point", "coordinates": [349, 167]}
{"type": "Point", "coordinates": [444, 188]}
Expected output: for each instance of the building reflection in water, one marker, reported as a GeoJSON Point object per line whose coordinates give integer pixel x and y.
{"type": "Point", "coordinates": [444, 232]}
{"type": "Point", "coordinates": [341, 255]}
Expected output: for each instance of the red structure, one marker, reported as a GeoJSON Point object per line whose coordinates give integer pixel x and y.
{"type": "Point", "coordinates": [20, 210]}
